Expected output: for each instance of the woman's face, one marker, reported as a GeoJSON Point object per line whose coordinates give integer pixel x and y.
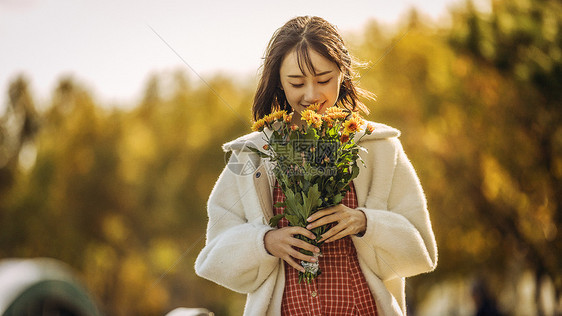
{"type": "Point", "coordinates": [304, 89]}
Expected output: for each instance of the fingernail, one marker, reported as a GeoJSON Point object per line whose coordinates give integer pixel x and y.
{"type": "Point", "coordinates": [312, 259]}
{"type": "Point", "coordinates": [308, 227]}
{"type": "Point", "coordinates": [316, 249]}
{"type": "Point", "coordinates": [308, 219]}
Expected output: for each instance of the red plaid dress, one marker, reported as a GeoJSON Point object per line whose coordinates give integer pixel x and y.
{"type": "Point", "coordinates": [341, 289]}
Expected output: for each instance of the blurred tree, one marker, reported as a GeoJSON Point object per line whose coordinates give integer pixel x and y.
{"type": "Point", "coordinates": [18, 126]}
{"type": "Point", "coordinates": [120, 194]}
{"type": "Point", "coordinates": [480, 107]}
{"type": "Point", "coordinates": [520, 44]}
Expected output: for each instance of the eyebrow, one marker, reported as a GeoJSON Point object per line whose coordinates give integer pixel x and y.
{"type": "Point", "coordinates": [317, 75]}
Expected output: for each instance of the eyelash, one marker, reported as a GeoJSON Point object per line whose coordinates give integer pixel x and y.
{"type": "Point", "coordinates": [320, 82]}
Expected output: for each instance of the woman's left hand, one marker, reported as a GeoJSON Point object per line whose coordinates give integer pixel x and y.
{"type": "Point", "coordinates": [349, 222]}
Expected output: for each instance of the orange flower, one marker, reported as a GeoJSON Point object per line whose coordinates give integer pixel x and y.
{"type": "Point", "coordinates": [369, 129]}
{"type": "Point", "coordinates": [266, 147]}
{"type": "Point", "coordinates": [277, 115]}
{"type": "Point", "coordinates": [333, 109]}
{"type": "Point", "coordinates": [270, 118]}
{"type": "Point", "coordinates": [327, 119]}
{"type": "Point", "coordinates": [267, 120]}
{"type": "Point", "coordinates": [351, 125]}
{"type": "Point", "coordinates": [358, 117]}
{"type": "Point", "coordinates": [312, 118]}
{"type": "Point", "coordinates": [313, 107]}
{"type": "Point", "coordinates": [335, 113]}
{"type": "Point", "coordinates": [287, 117]}
{"type": "Point", "coordinates": [294, 127]}
{"type": "Point", "coordinates": [344, 138]}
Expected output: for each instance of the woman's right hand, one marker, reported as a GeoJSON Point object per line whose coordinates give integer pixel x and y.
{"type": "Point", "coordinates": [280, 243]}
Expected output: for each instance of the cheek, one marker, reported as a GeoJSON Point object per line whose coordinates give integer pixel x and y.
{"type": "Point", "coordinates": [334, 90]}
{"type": "Point", "coordinates": [291, 94]}
{"type": "Point", "coordinates": [292, 97]}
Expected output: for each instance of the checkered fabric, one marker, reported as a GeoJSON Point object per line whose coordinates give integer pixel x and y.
{"type": "Point", "coordinates": [341, 289]}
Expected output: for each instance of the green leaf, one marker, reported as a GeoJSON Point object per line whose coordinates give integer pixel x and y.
{"type": "Point", "coordinates": [275, 220]}
{"type": "Point", "coordinates": [293, 207]}
{"type": "Point", "coordinates": [294, 220]}
{"type": "Point", "coordinates": [355, 171]}
{"type": "Point", "coordinates": [311, 201]}
{"type": "Point", "coordinates": [279, 204]}
{"type": "Point", "coordinates": [311, 133]}
{"type": "Point", "coordinates": [337, 198]}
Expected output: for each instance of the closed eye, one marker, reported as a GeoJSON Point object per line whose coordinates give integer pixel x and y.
{"type": "Point", "coordinates": [297, 85]}
{"type": "Point", "coordinates": [324, 82]}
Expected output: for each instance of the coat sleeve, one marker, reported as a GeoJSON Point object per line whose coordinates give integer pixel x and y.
{"type": "Point", "coordinates": [234, 255]}
{"type": "Point", "coordinates": [399, 240]}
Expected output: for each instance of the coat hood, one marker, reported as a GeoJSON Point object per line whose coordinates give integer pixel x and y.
{"type": "Point", "coordinates": [257, 139]}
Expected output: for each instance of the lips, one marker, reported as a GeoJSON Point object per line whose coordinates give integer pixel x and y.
{"type": "Point", "coordinates": [321, 108]}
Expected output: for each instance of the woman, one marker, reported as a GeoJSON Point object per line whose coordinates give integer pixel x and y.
{"type": "Point", "coordinates": [379, 235]}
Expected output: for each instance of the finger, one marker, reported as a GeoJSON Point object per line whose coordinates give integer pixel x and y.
{"type": "Point", "coordinates": [325, 220]}
{"type": "Point", "coordinates": [321, 213]}
{"type": "Point", "coordinates": [339, 235]}
{"type": "Point", "coordinates": [301, 256]}
{"type": "Point", "coordinates": [332, 232]}
{"type": "Point", "coordinates": [302, 231]}
{"type": "Point", "coordinates": [304, 245]}
{"type": "Point", "coordinates": [293, 264]}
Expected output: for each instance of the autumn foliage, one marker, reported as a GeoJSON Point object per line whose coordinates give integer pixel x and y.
{"type": "Point", "coordinates": [119, 193]}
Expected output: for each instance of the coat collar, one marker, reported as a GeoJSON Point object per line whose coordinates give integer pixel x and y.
{"type": "Point", "coordinates": [258, 140]}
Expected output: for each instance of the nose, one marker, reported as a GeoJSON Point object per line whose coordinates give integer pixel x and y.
{"type": "Point", "coordinates": [311, 94]}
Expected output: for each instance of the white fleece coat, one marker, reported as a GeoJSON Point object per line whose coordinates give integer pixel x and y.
{"type": "Point", "coordinates": [398, 242]}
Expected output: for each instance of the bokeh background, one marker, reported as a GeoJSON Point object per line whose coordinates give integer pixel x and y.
{"type": "Point", "coordinates": [116, 186]}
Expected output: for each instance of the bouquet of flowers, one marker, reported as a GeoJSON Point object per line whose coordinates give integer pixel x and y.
{"type": "Point", "coordinates": [313, 164]}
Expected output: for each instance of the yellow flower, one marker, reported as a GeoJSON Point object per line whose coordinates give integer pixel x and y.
{"type": "Point", "coordinates": [358, 117]}
{"type": "Point", "coordinates": [277, 115]}
{"type": "Point", "coordinates": [312, 118]}
{"type": "Point", "coordinates": [313, 107]}
{"type": "Point", "coordinates": [335, 113]}
{"type": "Point", "coordinates": [327, 119]}
{"type": "Point", "coordinates": [351, 125]}
{"type": "Point", "coordinates": [369, 129]}
{"type": "Point", "coordinates": [287, 118]}
{"type": "Point", "coordinates": [258, 125]}
{"type": "Point", "coordinates": [268, 119]}
{"type": "Point", "coordinates": [333, 109]}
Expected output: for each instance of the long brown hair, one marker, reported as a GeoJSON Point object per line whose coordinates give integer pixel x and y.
{"type": "Point", "coordinates": [302, 33]}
